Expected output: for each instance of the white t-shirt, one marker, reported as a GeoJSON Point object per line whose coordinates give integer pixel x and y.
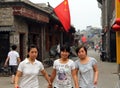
{"type": "Point", "coordinates": [63, 74]}
{"type": "Point", "coordinates": [13, 56]}
{"type": "Point", "coordinates": [58, 48]}
{"type": "Point", "coordinates": [86, 73]}
{"type": "Point", "coordinates": [30, 73]}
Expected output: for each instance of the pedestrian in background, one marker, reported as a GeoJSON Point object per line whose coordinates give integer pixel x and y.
{"type": "Point", "coordinates": [29, 70]}
{"type": "Point", "coordinates": [58, 50]}
{"type": "Point", "coordinates": [64, 70]}
{"type": "Point", "coordinates": [14, 59]}
{"type": "Point", "coordinates": [87, 68]}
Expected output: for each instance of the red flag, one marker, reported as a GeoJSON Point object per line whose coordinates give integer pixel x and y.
{"type": "Point", "coordinates": [63, 13]}
{"type": "Point", "coordinates": [83, 38]}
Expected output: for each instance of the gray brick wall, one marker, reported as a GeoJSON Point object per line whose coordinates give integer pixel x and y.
{"type": "Point", "coordinates": [6, 16]}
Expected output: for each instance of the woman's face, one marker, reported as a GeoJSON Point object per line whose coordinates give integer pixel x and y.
{"type": "Point", "coordinates": [64, 54]}
{"type": "Point", "coordinates": [33, 53]}
{"type": "Point", "coordinates": [81, 53]}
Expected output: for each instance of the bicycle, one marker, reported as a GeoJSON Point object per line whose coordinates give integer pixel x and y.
{"type": "Point", "coordinates": [52, 56]}
{"type": "Point", "coordinates": [48, 62]}
{"type": "Point", "coordinates": [5, 71]}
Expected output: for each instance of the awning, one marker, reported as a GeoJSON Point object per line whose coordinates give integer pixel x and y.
{"type": "Point", "coordinates": [6, 29]}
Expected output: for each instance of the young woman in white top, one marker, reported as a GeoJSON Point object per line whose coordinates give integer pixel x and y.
{"type": "Point", "coordinates": [29, 70]}
{"type": "Point", "coordinates": [87, 68]}
{"type": "Point", "coordinates": [64, 70]}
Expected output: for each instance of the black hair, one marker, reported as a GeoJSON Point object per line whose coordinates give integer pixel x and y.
{"type": "Point", "coordinates": [14, 47]}
{"type": "Point", "coordinates": [65, 48]}
{"type": "Point", "coordinates": [30, 47]}
{"type": "Point", "coordinates": [78, 48]}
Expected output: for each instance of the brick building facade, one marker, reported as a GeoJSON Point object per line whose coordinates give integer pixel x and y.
{"type": "Point", "coordinates": [24, 23]}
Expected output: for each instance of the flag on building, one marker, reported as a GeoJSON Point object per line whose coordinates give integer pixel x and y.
{"type": "Point", "coordinates": [83, 39]}
{"type": "Point", "coordinates": [63, 13]}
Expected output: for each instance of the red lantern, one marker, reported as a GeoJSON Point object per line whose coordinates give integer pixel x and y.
{"type": "Point", "coordinates": [117, 21]}
{"type": "Point", "coordinates": [116, 27]}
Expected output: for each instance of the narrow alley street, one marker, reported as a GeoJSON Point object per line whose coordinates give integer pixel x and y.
{"type": "Point", "coordinates": [107, 74]}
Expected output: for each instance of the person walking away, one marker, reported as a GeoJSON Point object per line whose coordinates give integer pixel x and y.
{"type": "Point", "coordinates": [63, 69]}
{"type": "Point", "coordinates": [14, 59]}
{"type": "Point", "coordinates": [29, 70]}
{"type": "Point", "coordinates": [58, 50]}
{"type": "Point", "coordinates": [87, 68]}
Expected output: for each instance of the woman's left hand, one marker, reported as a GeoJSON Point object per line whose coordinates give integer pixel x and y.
{"type": "Point", "coordinates": [50, 86]}
{"type": "Point", "coordinates": [95, 82]}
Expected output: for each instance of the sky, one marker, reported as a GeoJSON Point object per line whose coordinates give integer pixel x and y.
{"type": "Point", "coordinates": [83, 12]}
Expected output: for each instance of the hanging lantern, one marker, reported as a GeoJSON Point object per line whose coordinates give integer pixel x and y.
{"type": "Point", "coordinates": [116, 27]}
{"type": "Point", "coordinates": [117, 21]}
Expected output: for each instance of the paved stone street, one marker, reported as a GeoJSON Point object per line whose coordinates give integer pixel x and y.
{"type": "Point", "coordinates": [107, 74]}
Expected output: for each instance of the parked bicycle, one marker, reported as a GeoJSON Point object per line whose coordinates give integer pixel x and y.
{"type": "Point", "coordinates": [5, 71]}
{"type": "Point", "coordinates": [52, 56]}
